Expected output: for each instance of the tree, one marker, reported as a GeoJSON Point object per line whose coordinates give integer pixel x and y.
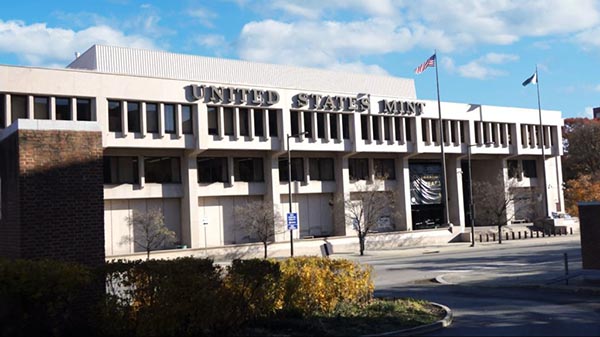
{"type": "Point", "coordinates": [365, 209]}
{"type": "Point", "coordinates": [149, 230]}
{"type": "Point", "coordinates": [259, 220]}
{"type": "Point", "coordinates": [494, 200]}
{"type": "Point", "coordinates": [581, 162]}
{"type": "Point", "coordinates": [581, 147]}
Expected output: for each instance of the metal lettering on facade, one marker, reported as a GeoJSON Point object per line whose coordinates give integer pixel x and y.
{"type": "Point", "coordinates": [401, 107]}
{"type": "Point", "coordinates": [229, 95]}
{"type": "Point", "coordinates": [329, 103]}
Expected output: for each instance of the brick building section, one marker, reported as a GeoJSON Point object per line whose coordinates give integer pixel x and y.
{"type": "Point", "coordinates": [52, 196]}
{"type": "Point", "coordinates": [589, 227]}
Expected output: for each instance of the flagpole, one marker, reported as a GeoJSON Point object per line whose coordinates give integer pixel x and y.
{"type": "Point", "coordinates": [441, 140]}
{"type": "Point", "coordinates": [542, 140]}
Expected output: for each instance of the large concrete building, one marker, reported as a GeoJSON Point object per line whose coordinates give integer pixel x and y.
{"type": "Point", "coordinates": [197, 136]}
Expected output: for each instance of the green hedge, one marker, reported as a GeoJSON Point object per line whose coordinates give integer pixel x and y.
{"type": "Point", "coordinates": [185, 296]}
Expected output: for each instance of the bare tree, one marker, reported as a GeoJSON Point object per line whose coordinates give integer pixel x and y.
{"type": "Point", "coordinates": [258, 219]}
{"type": "Point", "coordinates": [366, 208]}
{"type": "Point", "coordinates": [497, 203]}
{"type": "Point", "coordinates": [149, 230]}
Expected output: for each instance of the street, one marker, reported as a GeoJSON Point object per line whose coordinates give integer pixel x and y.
{"type": "Point", "coordinates": [513, 289]}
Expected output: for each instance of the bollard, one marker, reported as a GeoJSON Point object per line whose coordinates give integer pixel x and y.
{"type": "Point", "coordinates": [513, 235]}
{"type": "Point", "coordinates": [494, 237]}
{"type": "Point", "coordinates": [487, 238]}
{"type": "Point", "coordinates": [571, 230]}
{"type": "Point", "coordinates": [554, 231]}
{"type": "Point", "coordinates": [519, 235]}
{"type": "Point", "coordinates": [480, 238]}
{"type": "Point", "coordinates": [538, 233]}
{"type": "Point", "coordinates": [560, 231]}
{"type": "Point", "coordinates": [543, 233]}
{"type": "Point", "coordinates": [531, 233]}
{"type": "Point", "coordinates": [507, 236]}
{"type": "Point", "coordinates": [566, 269]}
{"type": "Point", "coordinates": [525, 235]}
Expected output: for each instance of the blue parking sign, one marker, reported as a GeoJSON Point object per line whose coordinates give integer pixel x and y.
{"type": "Point", "coordinates": [292, 221]}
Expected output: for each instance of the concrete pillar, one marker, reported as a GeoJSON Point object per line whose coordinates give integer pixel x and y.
{"type": "Point", "coordinates": [402, 194]}
{"type": "Point", "coordinates": [190, 217]}
{"type": "Point", "coordinates": [161, 120]}
{"type": "Point", "coordinates": [455, 191]}
{"type": "Point", "coordinates": [341, 226]}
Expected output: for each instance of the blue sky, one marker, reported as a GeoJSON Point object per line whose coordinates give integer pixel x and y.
{"type": "Point", "coordinates": [486, 48]}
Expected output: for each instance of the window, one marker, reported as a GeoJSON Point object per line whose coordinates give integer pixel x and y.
{"type": "Point", "coordinates": [376, 130]}
{"type": "Point", "coordinates": [297, 169]}
{"type": "Point", "coordinates": [384, 169]}
{"type": "Point", "coordinates": [308, 128]}
{"type": "Point", "coordinates": [213, 121]}
{"type": "Point", "coordinates": [259, 128]}
{"type": "Point", "coordinates": [84, 109]}
{"type": "Point", "coordinates": [462, 131]}
{"type": "Point", "coordinates": [477, 133]}
{"type": "Point", "coordinates": [212, 170]}
{"type": "Point", "coordinates": [529, 169]}
{"type": "Point", "coordinates": [121, 170]}
{"type": "Point", "coordinates": [133, 117]}
{"type": "Point", "coordinates": [364, 127]}
{"type": "Point", "coordinates": [169, 118]}
{"type": "Point", "coordinates": [228, 121]}
{"type": "Point", "coordinates": [294, 120]}
{"type": "Point", "coordinates": [187, 120]}
{"type": "Point", "coordinates": [387, 135]}
{"type": "Point", "coordinates": [273, 123]}
{"type": "Point", "coordinates": [346, 126]}
{"type": "Point", "coordinates": [63, 108]}
{"type": "Point", "coordinates": [152, 117]}
{"type": "Point", "coordinates": [407, 129]}
{"type": "Point", "coordinates": [424, 129]}
{"type": "Point", "coordinates": [359, 168]}
{"type": "Point", "coordinates": [321, 169]}
{"type": "Point", "coordinates": [162, 170]}
{"type": "Point", "coordinates": [434, 130]}
{"type": "Point", "coordinates": [333, 126]}
{"type": "Point", "coordinates": [320, 125]}
{"type": "Point", "coordinates": [114, 116]}
{"type": "Point", "coordinates": [398, 128]}
{"type": "Point", "coordinates": [513, 169]}
{"type": "Point", "coordinates": [41, 108]}
{"type": "Point", "coordinates": [244, 129]}
{"type": "Point", "coordinates": [248, 169]}
{"type": "Point", "coordinates": [18, 107]}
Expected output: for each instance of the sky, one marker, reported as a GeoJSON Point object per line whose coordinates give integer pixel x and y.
{"type": "Point", "coordinates": [485, 48]}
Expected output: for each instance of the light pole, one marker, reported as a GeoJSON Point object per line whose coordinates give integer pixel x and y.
{"type": "Point", "coordinates": [290, 186]}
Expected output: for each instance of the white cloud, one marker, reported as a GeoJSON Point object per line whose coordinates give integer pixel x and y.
{"type": "Point", "coordinates": [38, 44]}
{"type": "Point", "coordinates": [211, 40]}
{"type": "Point", "coordinates": [481, 68]}
{"type": "Point", "coordinates": [204, 16]}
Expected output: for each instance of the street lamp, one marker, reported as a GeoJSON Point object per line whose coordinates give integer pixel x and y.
{"type": "Point", "coordinates": [290, 186]}
{"type": "Point", "coordinates": [471, 207]}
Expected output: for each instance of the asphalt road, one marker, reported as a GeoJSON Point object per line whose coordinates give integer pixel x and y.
{"type": "Point", "coordinates": [513, 289]}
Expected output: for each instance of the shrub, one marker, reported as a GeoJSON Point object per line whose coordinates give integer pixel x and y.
{"type": "Point", "coordinates": [255, 289]}
{"type": "Point", "coordinates": [43, 297]}
{"type": "Point", "coordinates": [315, 285]}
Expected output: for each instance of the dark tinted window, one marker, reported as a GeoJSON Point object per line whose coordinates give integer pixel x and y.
{"type": "Point", "coordinates": [41, 108]}
{"type": "Point", "coordinates": [114, 116]}
{"type": "Point", "coordinates": [84, 109]}
{"type": "Point", "coordinates": [152, 117]}
{"type": "Point", "coordinates": [212, 169]}
{"type": "Point", "coordinates": [321, 169]}
{"type": "Point", "coordinates": [162, 170]}
{"type": "Point", "coordinates": [297, 169]}
{"type": "Point", "coordinates": [359, 168]}
{"type": "Point", "coordinates": [18, 105]}
{"type": "Point", "coordinates": [187, 122]}
{"type": "Point", "coordinates": [169, 114]}
{"type": "Point", "coordinates": [248, 169]}
{"type": "Point", "coordinates": [384, 168]}
{"type": "Point", "coordinates": [529, 169]}
{"type": "Point", "coordinates": [133, 117]}
{"type": "Point", "coordinates": [121, 170]}
{"type": "Point", "coordinates": [63, 108]}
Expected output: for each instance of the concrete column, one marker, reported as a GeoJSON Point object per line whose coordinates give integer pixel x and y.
{"type": "Point", "coordinates": [458, 135]}
{"type": "Point", "coordinates": [402, 134]}
{"type": "Point", "coordinates": [7, 111]}
{"type": "Point", "coordinates": [370, 128]}
{"type": "Point", "coordinates": [144, 119]}
{"type": "Point", "coordinates": [392, 126]}
{"type": "Point", "coordinates": [301, 124]}
{"type": "Point", "coordinates": [178, 125]}
{"type": "Point", "coordinates": [371, 170]}
{"type": "Point", "coordinates": [338, 122]}
{"type": "Point", "coordinates": [73, 101]}
{"type": "Point", "coordinates": [161, 120]}
{"type": "Point", "coordinates": [190, 217]}
{"type": "Point", "coordinates": [447, 130]}
{"type": "Point", "coordinates": [230, 172]}
{"type": "Point", "coordinates": [221, 122]}
{"type": "Point", "coordinates": [402, 194]}
{"type": "Point", "coordinates": [141, 171]}
{"type": "Point", "coordinates": [326, 125]}
{"type": "Point", "coordinates": [273, 194]}
{"type": "Point", "coordinates": [455, 191]}
{"type": "Point", "coordinates": [313, 123]}
{"type": "Point", "coordinates": [381, 124]}
{"type": "Point", "coordinates": [236, 122]}
{"type": "Point", "coordinates": [52, 108]}
{"type": "Point", "coordinates": [342, 193]}
{"type": "Point", "coordinates": [267, 132]}
{"type": "Point", "coordinates": [427, 123]}
{"type": "Point", "coordinates": [251, 123]}
{"type": "Point", "coordinates": [30, 105]}
{"type": "Point", "coordinates": [124, 118]}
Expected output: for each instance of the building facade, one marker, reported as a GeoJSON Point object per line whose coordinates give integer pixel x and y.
{"type": "Point", "coordinates": [198, 136]}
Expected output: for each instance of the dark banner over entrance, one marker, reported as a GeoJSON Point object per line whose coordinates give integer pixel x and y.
{"type": "Point", "coordinates": [426, 195]}
{"type": "Point", "coordinates": [425, 184]}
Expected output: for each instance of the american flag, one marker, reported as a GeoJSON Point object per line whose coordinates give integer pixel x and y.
{"type": "Point", "coordinates": [429, 63]}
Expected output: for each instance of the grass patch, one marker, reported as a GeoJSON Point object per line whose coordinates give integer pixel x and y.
{"type": "Point", "coordinates": [377, 316]}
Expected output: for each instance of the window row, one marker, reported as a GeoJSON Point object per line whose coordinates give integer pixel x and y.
{"type": "Point", "coordinates": [158, 116]}
{"type": "Point", "coordinates": [44, 107]}
{"type": "Point", "coordinates": [496, 133]}
{"type": "Point", "coordinates": [383, 169]}
{"type": "Point", "coordinates": [322, 125]}
{"type": "Point", "coordinates": [530, 135]}
{"type": "Point", "coordinates": [243, 122]}
{"type": "Point", "coordinates": [125, 170]}
{"type": "Point", "coordinates": [386, 128]}
{"type": "Point", "coordinates": [522, 168]}
{"type": "Point", "coordinates": [454, 131]}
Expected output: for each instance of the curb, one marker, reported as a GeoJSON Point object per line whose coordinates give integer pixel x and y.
{"type": "Point", "coordinates": [422, 329]}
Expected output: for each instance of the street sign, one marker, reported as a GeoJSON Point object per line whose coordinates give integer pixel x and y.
{"type": "Point", "coordinates": [292, 221]}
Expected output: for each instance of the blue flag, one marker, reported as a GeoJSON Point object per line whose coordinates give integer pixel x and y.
{"type": "Point", "coordinates": [532, 79]}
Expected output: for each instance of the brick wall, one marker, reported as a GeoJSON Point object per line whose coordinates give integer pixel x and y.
{"type": "Point", "coordinates": [57, 208]}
